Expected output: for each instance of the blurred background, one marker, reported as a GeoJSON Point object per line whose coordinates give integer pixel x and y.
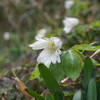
{"type": "Point", "coordinates": [20, 21]}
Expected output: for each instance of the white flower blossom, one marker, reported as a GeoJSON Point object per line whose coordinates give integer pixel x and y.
{"type": "Point", "coordinates": [51, 50]}
{"type": "Point", "coordinates": [69, 23]}
{"type": "Point", "coordinates": [41, 33]}
{"type": "Point", "coordinates": [6, 36]}
{"type": "Point", "coordinates": [69, 4]}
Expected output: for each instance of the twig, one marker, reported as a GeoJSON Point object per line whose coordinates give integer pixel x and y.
{"type": "Point", "coordinates": [95, 53]}
{"type": "Point", "coordinates": [22, 87]}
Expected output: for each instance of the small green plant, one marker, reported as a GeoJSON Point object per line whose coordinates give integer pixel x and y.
{"type": "Point", "coordinates": [78, 69]}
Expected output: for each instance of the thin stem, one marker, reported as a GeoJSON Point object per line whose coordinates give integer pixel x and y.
{"type": "Point", "coordinates": [95, 53]}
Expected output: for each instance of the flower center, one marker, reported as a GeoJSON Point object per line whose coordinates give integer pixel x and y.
{"type": "Point", "coordinates": [51, 46]}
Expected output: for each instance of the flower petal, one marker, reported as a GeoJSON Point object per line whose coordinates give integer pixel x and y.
{"type": "Point", "coordinates": [56, 57]}
{"type": "Point", "coordinates": [40, 44]}
{"type": "Point", "coordinates": [46, 57]}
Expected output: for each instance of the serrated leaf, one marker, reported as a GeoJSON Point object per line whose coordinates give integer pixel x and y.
{"type": "Point", "coordinates": [92, 91]}
{"type": "Point", "coordinates": [35, 74]}
{"type": "Point", "coordinates": [72, 64]}
{"type": "Point", "coordinates": [87, 47]}
{"type": "Point", "coordinates": [77, 96]}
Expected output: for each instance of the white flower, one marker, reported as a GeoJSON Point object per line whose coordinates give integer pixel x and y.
{"type": "Point", "coordinates": [51, 50]}
{"type": "Point", "coordinates": [41, 33]}
{"type": "Point", "coordinates": [69, 23]}
{"type": "Point", "coordinates": [6, 36]}
{"type": "Point", "coordinates": [68, 4]}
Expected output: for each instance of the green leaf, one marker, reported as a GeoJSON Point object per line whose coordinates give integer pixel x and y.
{"type": "Point", "coordinates": [77, 96]}
{"type": "Point", "coordinates": [35, 74]}
{"type": "Point", "coordinates": [51, 82]}
{"type": "Point", "coordinates": [92, 91]}
{"type": "Point", "coordinates": [57, 71]}
{"type": "Point", "coordinates": [59, 95]}
{"type": "Point", "coordinates": [87, 72]}
{"type": "Point", "coordinates": [95, 63]}
{"type": "Point", "coordinates": [95, 23]}
{"type": "Point", "coordinates": [36, 95]}
{"type": "Point", "coordinates": [72, 64]}
{"type": "Point", "coordinates": [49, 79]}
{"type": "Point", "coordinates": [49, 97]}
{"type": "Point", "coordinates": [98, 90]}
{"type": "Point", "coordinates": [87, 47]}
